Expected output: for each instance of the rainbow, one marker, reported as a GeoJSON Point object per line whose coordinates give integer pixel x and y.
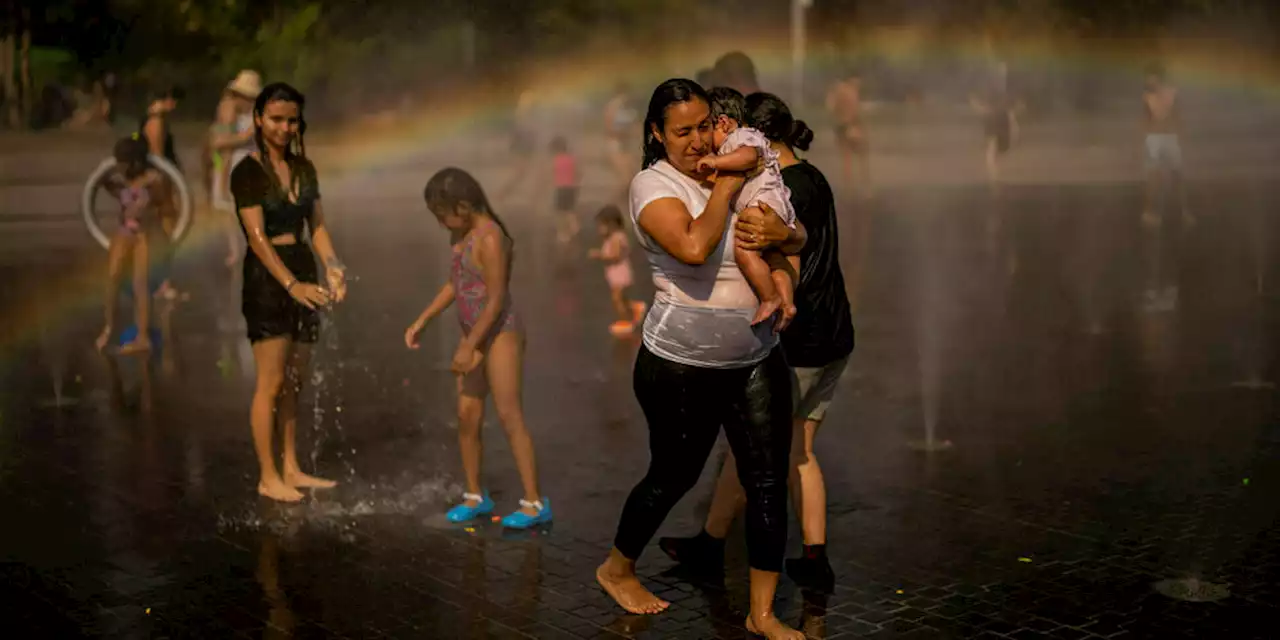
{"type": "Point", "coordinates": [362, 148]}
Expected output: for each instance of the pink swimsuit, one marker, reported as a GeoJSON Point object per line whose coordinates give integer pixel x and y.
{"type": "Point", "coordinates": [471, 293]}
{"type": "Point", "coordinates": [133, 200]}
{"type": "Point", "coordinates": [618, 274]}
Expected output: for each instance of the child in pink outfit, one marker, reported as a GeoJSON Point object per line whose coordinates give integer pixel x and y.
{"type": "Point", "coordinates": [565, 176]}
{"type": "Point", "coordinates": [615, 253]}
{"type": "Point", "coordinates": [742, 148]}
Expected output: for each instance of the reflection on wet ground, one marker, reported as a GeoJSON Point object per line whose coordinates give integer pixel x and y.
{"type": "Point", "coordinates": [1098, 447]}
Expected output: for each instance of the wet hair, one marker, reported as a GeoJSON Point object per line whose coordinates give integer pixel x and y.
{"type": "Point", "coordinates": [452, 186]}
{"type": "Point", "coordinates": [281, 92]}
{"type": "Point", "coordinates": [728, 102]}
{"type": "Point", "coordinates": [735, 68]}
{"type": "Point", "coordinates": [131, 153]}
{"type": "Point", "coordinates": [559, 145]}
{"type": "Point", "coordinates": [673, 91]}
{"type": "Point", "coordinates": [770, 115]}
{"type": "Point", "coordinates": [611, 216]}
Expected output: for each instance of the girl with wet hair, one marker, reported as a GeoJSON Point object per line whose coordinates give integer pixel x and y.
{"type": "Point", "coordinates": [489, 358]}
{"type": "Point", "coordinates": [277, 195]}
{"type": "Point", "coordinates": [135, 183]}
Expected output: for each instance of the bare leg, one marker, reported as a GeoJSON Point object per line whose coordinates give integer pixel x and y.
{"type": "Point", "coordinates": [808, 490]}
{"type": "Point", "coordinates": [729, 500]}
{"type": "Point", "coordinates": [287, 415]}
{"type": "Point", "coordinates": [993, 163]}
{"type": "Point", "coordinates": [621, 306]}
{"type": "Point", "coordinates": [269, 356]}
{"type": "Point", "coordinates": [756, 270]}
{"type": "Point", "coordinates": [864, 169]}
{"type": "Point", "coordinates": [1149, 217]}
{"type": "Point", "coordinates": [116, 253]}
{"type": "Point", "coordinates": [472, 390]}
{"type": "Point", "coordinates": [504, 369]}
{"type": "Point", "coordinates": [141, 298]}
{"type": "Point", "coordinates": [1180, 184]}
{"type": "Point", "coordinates": [617, 576]}
{"type": "Point", "coordinates": [762, 621]}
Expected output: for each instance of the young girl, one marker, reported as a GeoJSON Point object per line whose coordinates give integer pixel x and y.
{"type": "Point", "coordinates": [489, 356]}
{"type": "Point", "coordinates": [565, 176]}
{"type": "Point", "coordinates": [133, 184]}
{"type": "Point", "coordinates": [277, 196]}
{"type": "Point", "coordinates": [614, 252]}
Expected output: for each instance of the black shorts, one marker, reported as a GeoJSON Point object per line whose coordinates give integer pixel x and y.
{"type": "Point", "coordinates": [566, 199]}
{"type": "Point", "coordinates": [269, 310]}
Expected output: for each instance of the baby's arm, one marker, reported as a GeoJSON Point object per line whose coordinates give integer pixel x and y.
{"type": "Point", "coordinates": [740, 159]}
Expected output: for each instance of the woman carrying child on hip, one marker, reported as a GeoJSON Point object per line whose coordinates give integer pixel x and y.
{"type": "Point", "coordinates": [490, 355]}
{"type": "Point", "coordinates": [615, 253]}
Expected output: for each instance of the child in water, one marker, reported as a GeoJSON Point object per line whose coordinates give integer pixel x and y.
{"type": "Point", "coordinates": [742, 148]}
{"type": "Point", "coordinates": [133, 183]}
{"type": "Point", "coordinates": [565, 176]}
{"type": "Point", "coordinates": [491, 353]}
{"type": "Point", "coordinates": [615, 253]}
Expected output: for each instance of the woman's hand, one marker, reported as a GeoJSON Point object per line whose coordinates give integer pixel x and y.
{"type": "Point", "coordinates": [759, 231]}
{"type": "Point", "coordinates": [465, 359]}
{"type": "Point", "coordinates": [411, 334]}
{"type": "Point", "coordinates": [309, 295]}
{"type": "Point", "coordinates": [337, 279]}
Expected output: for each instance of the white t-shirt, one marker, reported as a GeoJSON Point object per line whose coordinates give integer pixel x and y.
{"type": "Point", "coordinates": [701, 314]}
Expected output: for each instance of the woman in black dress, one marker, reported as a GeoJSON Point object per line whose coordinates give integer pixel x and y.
{"type": "Point", "coordinates": [277, 196]}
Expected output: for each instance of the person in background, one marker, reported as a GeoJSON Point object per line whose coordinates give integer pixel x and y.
{"type": "Point", "coordinates": [1162, 126]}
{"type": "Point", "coordinates": [565, 179]}
{"type": "Point", "coordinates": [154, 129]}
{"type": "Point", "coordinates": [615, 253]}
{"type": "Point", "coordinates": [736, 71]}
{"type": "Point", "coordinates": [844, 105]}
{"type": "Point", "coordinates": [619, 125]}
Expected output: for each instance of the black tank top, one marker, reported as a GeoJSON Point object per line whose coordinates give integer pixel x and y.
{"type": "Point", "coordinates": [169, 153]}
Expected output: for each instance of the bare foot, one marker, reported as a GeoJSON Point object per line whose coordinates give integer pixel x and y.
{"type": "Point", "coordinates": [277, 490]}
{"type": "Point", "coordinates": [766, 310]}
{"type": "Point", "coordinates": [772, 628]}
{"type": "Point", "coordinates": [298, 479]}
{"type": "Point", "coordinates": [137, 345]}
{"type": "Point", "coordinates": [626, 590]}
{"type": "Point", "coordinates": [103, 338]}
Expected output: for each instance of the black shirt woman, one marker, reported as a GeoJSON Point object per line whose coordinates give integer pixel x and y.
{"type": "Point", "coordinates": [277, 195]}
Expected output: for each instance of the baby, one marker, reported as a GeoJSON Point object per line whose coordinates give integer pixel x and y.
{"type": "Point", "coordinates": [742, 148]}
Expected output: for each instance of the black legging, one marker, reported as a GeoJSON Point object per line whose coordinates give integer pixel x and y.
{"type": "Point", "coordinates": [685, 407]}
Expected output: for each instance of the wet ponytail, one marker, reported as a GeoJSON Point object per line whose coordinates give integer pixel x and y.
{"type": "Point", "coordinates": [801, 136]}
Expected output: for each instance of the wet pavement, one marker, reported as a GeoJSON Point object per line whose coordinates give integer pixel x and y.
{"type": "Point", "coordinates": [1097, 447]}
